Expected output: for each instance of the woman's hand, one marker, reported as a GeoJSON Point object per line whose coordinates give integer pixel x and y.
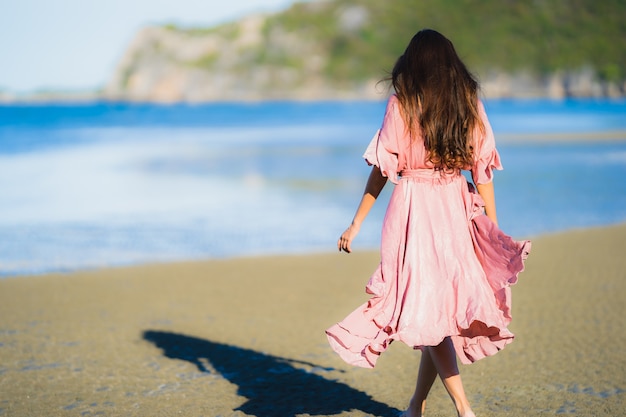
{"type": "Point", "coordinates": [374, 186]}
{"type": "Point", "coordinates": [346, 238]}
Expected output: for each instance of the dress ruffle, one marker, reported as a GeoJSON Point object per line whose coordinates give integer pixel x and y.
{"type": "Point", "coordinates": [387, 161]}
{"type": "Point", "coordinates": [487, 158]}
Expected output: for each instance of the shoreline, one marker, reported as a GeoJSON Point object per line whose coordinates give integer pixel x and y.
{"type": "Point", "coordinates": [245, 336]}
{"type": "Point", "coordinates": [250, 257]}
{"type": "Point", "coordinates": [94, 97]}
{"type": "Point", "coordinates": [563, 138]}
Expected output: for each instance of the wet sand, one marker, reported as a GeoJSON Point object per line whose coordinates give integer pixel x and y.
{"type": "Point", "coordinates": [246, 337]}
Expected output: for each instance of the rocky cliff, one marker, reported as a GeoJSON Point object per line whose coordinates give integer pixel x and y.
{"type": "Point", "coordinates": [240, 61]}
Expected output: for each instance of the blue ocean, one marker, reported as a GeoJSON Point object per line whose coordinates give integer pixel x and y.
{"type": "Point", "coordinates": [109, 184]}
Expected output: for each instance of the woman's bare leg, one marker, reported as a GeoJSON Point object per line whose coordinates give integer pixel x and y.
{"type": "Point", "coordinates": [443, 357]}
{"type": "Point", "coordinates": [425, 379]}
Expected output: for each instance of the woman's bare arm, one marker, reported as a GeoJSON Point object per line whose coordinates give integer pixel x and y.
{"type": "Point", "coordinates": [486, 191]}
{"type": "Point", "coordinates": [374, 186]}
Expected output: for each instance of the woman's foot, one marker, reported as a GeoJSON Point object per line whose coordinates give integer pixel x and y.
{"type": "Point", "coordinates": [414, 411]}
{"type": "Point", "coordinates": [407, 413]}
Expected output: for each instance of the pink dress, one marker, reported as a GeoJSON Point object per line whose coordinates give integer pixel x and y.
{"type": "Point", "coordinates": [445, 268]}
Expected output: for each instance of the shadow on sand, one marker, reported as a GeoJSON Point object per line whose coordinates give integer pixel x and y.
{"type": "Point", "coordinates": [272, 385]}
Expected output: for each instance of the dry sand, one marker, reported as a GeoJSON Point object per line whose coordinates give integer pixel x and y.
{"type": "Point", "coordinates": [246, 337]}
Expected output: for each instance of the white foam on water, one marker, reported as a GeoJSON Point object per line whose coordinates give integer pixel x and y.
{"type": "Point", "coordinates": [151, 196]}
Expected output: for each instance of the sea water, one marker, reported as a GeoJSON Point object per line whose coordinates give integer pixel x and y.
{"type": "Point", "coordinates": [107, 184]}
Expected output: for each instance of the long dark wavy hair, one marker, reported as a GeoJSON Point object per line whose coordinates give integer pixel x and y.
{"type": "Point", "coordinates": [438, 95]}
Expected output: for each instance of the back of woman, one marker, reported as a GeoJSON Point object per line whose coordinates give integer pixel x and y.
{"type": "Point", "coordinates": [408, 150]}
{"type": "Point", "coordinates": [442, 285]}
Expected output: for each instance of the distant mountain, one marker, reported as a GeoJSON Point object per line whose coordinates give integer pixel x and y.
{"type": "Point", "coordinates": [335, 49]}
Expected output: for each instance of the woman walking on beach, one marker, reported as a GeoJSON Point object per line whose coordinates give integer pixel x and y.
{"type": "Point", "coordinates": [443, 281]}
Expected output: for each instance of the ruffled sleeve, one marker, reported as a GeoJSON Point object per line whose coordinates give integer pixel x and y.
{"type": "Point", "coordinates": [487, 157]}
{"type": "Point", "coordinates": [383, 148]}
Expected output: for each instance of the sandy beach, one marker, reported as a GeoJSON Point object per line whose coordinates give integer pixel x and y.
{"type": "Point", "coordinates": [246, 337]}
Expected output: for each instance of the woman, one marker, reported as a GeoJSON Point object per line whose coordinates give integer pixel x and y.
{"type": "Point", "coordinates": [443, 284]}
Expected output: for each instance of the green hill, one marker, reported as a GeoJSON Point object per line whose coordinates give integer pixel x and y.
{"type": "Point", "coordinates": [542, 36]}
{"type": "Point", "coordinates": [341, 48]}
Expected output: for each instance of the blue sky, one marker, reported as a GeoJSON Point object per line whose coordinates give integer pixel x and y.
{"type": "Point", "coordinates": [75, 44]}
